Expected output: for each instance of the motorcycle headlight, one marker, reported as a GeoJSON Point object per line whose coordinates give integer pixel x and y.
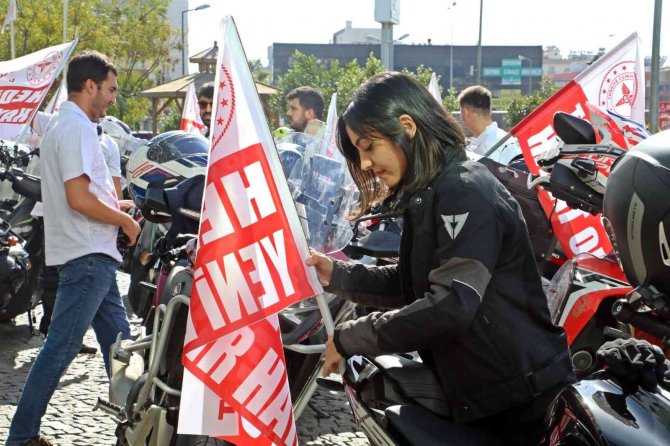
{"type": "Point", "coordinates": [559, 290]}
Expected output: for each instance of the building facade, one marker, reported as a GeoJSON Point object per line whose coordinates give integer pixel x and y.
{"type": "Point", "coordinates": [504, 72]}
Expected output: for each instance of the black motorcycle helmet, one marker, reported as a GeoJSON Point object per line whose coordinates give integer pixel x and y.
{"type": "Point", "coordinates": [637, 212]}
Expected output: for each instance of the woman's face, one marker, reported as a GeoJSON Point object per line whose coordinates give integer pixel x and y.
{"type": "Point", "coordinates": [385, 159]}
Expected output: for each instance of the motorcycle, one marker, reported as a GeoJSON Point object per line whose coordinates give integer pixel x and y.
{"type": "Point", "coordinates": [397, 400]}
{"type": "Point", "coordinates": [147, 373]}
{"type": "Point", "coordinates": [20, 236]}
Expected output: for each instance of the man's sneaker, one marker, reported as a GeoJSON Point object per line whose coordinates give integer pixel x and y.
{"type": "Point", "coordinates": [37, 441]}
{"type": "Point", "coordinates": [87, 349]}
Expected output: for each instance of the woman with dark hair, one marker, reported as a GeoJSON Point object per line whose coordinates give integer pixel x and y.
{"type": "Point", "coordinates": [466, 293]}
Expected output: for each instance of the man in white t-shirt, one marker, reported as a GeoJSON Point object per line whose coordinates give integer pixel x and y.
{"type": "Point", "coordinates": [475, 103]}
{"type": "Point", "coordinates": [82, 215]}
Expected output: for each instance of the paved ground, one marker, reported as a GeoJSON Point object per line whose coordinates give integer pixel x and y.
{"type": "Point", "coordinates": [70, 421]}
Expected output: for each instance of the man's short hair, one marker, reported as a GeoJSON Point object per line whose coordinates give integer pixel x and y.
{"type": "Point", "coordinates": [476, 97]}
{"type": "Point", "coordinates": [207, 90]}
{"type": "Point", "coordinates": [88, 65]}
{"type": "Point", "coordinates": [309, 98]}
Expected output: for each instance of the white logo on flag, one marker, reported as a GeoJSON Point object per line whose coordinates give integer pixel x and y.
{"type": "Point", "coordinates": [454, 224]}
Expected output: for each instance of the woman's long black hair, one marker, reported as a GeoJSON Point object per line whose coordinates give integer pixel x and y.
{"type": "Point", "coordinates": [374, 112]}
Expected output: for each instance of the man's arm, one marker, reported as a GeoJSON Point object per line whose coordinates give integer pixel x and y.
{"type": "Point", "coordinates": [80, 199]}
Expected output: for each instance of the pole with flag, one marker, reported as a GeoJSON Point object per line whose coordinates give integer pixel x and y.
{"type": "Point", "coordinates": [25, 82]}
{"type": "Point", "coordinates": [615, 82]}
{"type": "Point", "coordinates": [190, 118]}
{"type": "Point", "coordinates": [250, 265]}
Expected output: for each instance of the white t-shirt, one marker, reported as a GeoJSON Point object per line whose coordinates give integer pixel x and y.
{"type": "Point", "coordinates": [109, 146]}
{"type": "Point", "coordinates": [71, 148]}
{"type": "Point", "coordinates": [487, 139]}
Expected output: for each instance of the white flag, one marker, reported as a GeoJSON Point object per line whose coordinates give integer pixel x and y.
{"type": "Point", "coordinates": [238, 389]}
{"type": "Point", "coordinates": [329, 143]}
{"type": "Point", "coordinates": [11, 14]}
{"type": "Point", "coordinates": [190, 119]}
{"type": "Point", "coordinates": [434, 88]}
{"type": "Point", "coordinates": [24, 83]}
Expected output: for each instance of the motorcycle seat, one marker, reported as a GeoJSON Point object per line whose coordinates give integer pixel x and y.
{"type": "Point", "coordinates": [415, 381]}
{"type": "Point", "coordinates": [418, 426]}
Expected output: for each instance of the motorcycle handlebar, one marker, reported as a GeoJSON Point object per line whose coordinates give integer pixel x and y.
{"type": "Point", "coordinates": [624, 312]}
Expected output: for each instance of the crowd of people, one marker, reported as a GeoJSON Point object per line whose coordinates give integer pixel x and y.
{"type": "Point", "coordinates": [465, 293]}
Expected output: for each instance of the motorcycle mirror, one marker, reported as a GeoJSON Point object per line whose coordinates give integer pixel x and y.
{"type": "Point", "coordinates": [574, 130]}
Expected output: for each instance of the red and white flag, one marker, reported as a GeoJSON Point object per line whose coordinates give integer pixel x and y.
{"type": "Point", "coordinates": [190, 118]}
{"type": "Point", "coordinates": [11, 15]}
{"type": "Point", "coordinates": [24, 82]}
{"type": "Point", "coordinates": [250, 265]}
{"type": "Point", "coordinates": [57, 99]}
{"type": "Point", "coordinates": [614, 82]}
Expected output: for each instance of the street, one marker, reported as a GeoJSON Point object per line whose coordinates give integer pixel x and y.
{"type": "Point", "coordinates": [70, 419]}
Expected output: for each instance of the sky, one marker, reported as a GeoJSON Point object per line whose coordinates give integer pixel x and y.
{"type": "Point", "coordinates": [579, 25]}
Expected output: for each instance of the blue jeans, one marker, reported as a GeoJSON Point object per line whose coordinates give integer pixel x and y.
{"type": "Point", "coordinates": [87, 295]}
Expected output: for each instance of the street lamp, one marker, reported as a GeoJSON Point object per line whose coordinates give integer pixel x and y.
{"type": "Point", "coordinates": [479, 44]}
{"type": "Point", "coordinates": [183, 44]}
{"type": "Point", "coordinates": [451, 47]}
{"type": "Point", "coordinates": [530, 72]}
{"type": "Point", "coordinates": [387, 48]}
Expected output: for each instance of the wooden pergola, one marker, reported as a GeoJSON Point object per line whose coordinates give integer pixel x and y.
{"type": "Point", "coordinates": [174, 91]}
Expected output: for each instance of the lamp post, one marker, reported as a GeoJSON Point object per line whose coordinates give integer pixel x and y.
{"type": "Point", "coordinates": [387, 48]}
{"type": "Point", "coordinates": [530, 72]}
{"type": "Point", "coordinates": [183, 44]}
{"type": "Point", "coordinates": [451, 47]}
{"type": "Point", "coordinates": [479, 44]}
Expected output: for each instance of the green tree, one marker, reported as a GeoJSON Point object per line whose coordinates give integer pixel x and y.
{"type": "Point", "coordinates": [521, 107]}
{"type": "Point", "coordinates": [135, 34]}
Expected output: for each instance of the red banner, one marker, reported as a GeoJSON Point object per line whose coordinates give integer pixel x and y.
{"type": "Point", "coordinates": [615, 82]}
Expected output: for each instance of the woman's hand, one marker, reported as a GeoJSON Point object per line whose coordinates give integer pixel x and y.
{"type": "Point", "coordinates": [124, 205]}
{"type": "Point", "coordinates": [332, 358]}
{"type": "Point", "coordinates": [323, 265]}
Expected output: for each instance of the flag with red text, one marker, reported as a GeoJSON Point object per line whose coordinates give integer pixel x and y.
{"type": "Point", "coordinates": [614, 82]}
{"type": "Point", "coordinates": [24, 83]}
{"type": "Point", "coordinates": [190, 118]}
{"type": "Point", "coordinates": [250, 265]}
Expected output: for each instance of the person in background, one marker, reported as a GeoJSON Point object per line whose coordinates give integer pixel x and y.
{"type": "Point", "coordinates": [205, 99]}
{"type": "Point", "coordinates": [475, 105]}
{"type": "Point", "coordinates": [82, 216]}
{"type": "Point", "coordinates": [305, 105]}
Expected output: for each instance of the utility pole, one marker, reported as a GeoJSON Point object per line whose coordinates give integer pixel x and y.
{"type": "Point", "coordinates": [479, 45]}
{"type": "Point", "coordinates": [655, 50]}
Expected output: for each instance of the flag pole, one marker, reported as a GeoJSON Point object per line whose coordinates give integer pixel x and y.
{"type": "Point", "coordinates": [11, 39]}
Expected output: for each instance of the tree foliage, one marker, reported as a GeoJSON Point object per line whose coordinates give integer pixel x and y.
{"type": "Point", "coordinates": [520, 107]}
{"type": "Point", "coordinates": [135, 34]}
{"type": "Point", "coordinates": [308, 70]}
{"type": "Point", "coordinates": [345, 80]}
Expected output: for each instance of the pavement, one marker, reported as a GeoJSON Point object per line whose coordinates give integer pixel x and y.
{"type": "Point", "coordinates": [69, 419]}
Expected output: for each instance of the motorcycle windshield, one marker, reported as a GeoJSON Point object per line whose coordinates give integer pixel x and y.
{"type": "Point", "coordinates": [322, 189]}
